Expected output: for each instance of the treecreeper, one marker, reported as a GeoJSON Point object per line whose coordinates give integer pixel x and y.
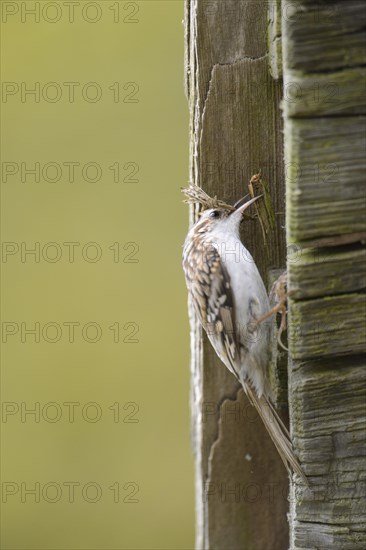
{"type": "Point", "coordinates": [231, 301]}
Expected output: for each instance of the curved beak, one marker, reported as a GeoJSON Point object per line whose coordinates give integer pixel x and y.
{"type": "Point", "coordinates": [236, 205]}
{"type": "Point", "coordinates": [244, 206]}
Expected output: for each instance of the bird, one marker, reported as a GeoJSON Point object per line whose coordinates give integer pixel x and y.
{"type": "Point", "coordinates": [231, 301]}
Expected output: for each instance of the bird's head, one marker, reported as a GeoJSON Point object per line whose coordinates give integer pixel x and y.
{"type": "Point", "coordinates": [226, 220]}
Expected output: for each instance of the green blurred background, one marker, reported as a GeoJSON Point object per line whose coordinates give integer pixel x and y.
{"type": "Point", "coordinates": [130, 429]}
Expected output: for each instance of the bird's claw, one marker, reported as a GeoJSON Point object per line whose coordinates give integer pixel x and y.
{"type": "Point", "coordinates": [278, 295]}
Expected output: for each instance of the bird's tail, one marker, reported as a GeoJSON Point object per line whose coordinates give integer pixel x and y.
{"type": "Point", "coordinates": [277, 430]}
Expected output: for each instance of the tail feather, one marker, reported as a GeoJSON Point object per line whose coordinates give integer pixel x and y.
{"type": "Point", "coordinates": [277, 431]}
{"type": "Point", "coordinates": [278, 418]}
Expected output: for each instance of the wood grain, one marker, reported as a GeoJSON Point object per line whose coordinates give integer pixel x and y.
{"type": "Point", "coordinates": [328, 402]}
{"type": "Point", "coordinates": [324, 100]}
{"type": "Point", "coordinates": [333, 93]}
{"type": "Point", "coordinates": [323, 36]}
{"type": "Point", "coordinates": [329, 326]}
{"type": "Point", "coordinates": [325, 170]}
{"type": "Point", "coordinates": [275, 39]}
{"type": "Point", "coordinates": [236, 129]}
{"type": "Point", "coordinates": [326, 271]}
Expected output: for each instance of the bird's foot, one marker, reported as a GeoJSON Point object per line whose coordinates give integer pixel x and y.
{"type": "Point", "coordinates": [278, 295]}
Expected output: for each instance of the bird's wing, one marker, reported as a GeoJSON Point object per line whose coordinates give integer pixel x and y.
{"type": "Point", "coordinates": [210, 288]}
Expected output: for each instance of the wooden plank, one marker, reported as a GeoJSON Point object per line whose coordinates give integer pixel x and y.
{"type": "Point", "coordinates": [327, 397]}
{"type": "Point", "coordinates": [334, 93]}
{"type": "Point", "coordinates": [246, 144]}
{"type": "Point", "coordinates": [323, 36]}
{"type": "Point", "coordinates": [325, 170]}
{"type": "Point", "coordinates": [328, 326]}
{"type": "Point", "coordinates": [275, 39]}
{"type": "Point", "coordinates": [227, 32]}
{"type": "Point", "coordinates": [243, 489]}
{"type": "Point", "coordinates": [324, 57]}
{"type": "Point", "coordinates": [236, 129]}
{"type": "Point", "coordinates": [316, 272]}
{"type": "Point", "coordinates": [324, 88]}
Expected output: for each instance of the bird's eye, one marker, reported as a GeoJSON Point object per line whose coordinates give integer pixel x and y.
{"type": "Point", "coordinates": [214, 214]}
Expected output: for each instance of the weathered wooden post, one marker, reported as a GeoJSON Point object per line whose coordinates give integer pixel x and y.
{"type": "Point", "coordinates": [324, 100]}
{"type": "Point", "coordinates": [237, 52]}
{"type": "Point", "coordinates": [236, 130]}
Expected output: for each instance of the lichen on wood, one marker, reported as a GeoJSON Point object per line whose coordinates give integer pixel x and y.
{"type": "Point", "coordinates": [324, 109]}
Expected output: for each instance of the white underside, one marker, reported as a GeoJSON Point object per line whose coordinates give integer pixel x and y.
{"type": "Point", "coordinates": [250, 304]}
